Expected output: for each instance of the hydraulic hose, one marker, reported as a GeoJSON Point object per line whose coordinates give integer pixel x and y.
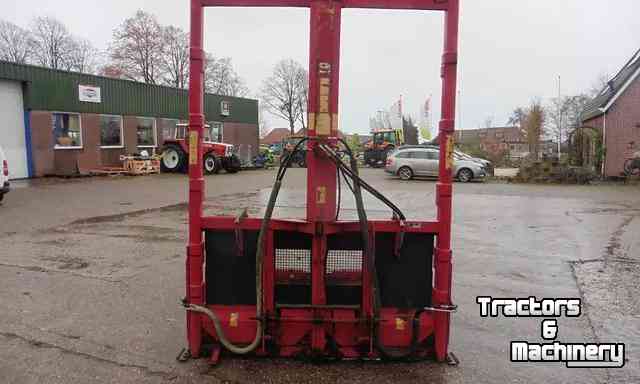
{"type": "Point", "coordinates": [264, 226]}
{"type": "Point", "coordinates": [369, 257]}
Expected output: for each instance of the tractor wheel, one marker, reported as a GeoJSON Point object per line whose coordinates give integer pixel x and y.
{"type": "Point", "coordinates": [465, 175]}
{"type": "Point", "coordinates": [173, 159]}
{"type": "Point", "coordinates": [405, 173]}
{"type": "Point", "coordinates": [232, 165]}
{"type": "Point", "coordinates": [211, 164]}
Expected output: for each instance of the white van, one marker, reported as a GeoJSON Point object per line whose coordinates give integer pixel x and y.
{"type": "Point", "coordinates": [4, 175]}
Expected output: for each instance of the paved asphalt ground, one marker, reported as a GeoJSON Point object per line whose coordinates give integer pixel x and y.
{"type": "Point", "coordinates": [91, 271]}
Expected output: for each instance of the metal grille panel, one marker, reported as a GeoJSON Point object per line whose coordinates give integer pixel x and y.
{"type": "Point", "coordinates": [298, 260]}
{"type": "Point", "coordinates": [343, 260]}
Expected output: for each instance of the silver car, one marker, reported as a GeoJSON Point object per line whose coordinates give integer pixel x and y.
{"type": "Point", "coordinates": [410, 162]}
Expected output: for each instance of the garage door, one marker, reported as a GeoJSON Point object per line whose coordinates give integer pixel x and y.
{"type": "Point", "coordinates": [12, 128]}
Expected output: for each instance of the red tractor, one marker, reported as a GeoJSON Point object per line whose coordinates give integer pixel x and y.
{"type": "Point", "coordinates": [217, 156]}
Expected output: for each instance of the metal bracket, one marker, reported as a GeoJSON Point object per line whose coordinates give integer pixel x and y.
{"type": "Point", "coordinates": [452, 360]}
{"type": "Point", "coordinates": [184, 355]}
{"type": "Point", "coordinates": [239, 233]}
{"type": "Point", "coordinates": [443, 308]}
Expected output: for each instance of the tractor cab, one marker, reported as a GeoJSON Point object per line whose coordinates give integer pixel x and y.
{"type": "Point", "coordinates": [387, 137]}
{"type": "Point", "coordinates": [382, 143]}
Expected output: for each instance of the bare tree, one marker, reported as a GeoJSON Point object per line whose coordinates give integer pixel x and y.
{"type": "Point", "coordinates": [52, 42]}
{"type": "Point", "coordinates": [138, 48]}
{"type": "Point", "coordinates": [598, 85]}
{"type": "Point", "coordinates": [175, 61]}
{"type": "Point", "coordinates": [221, 79]}
{"type": "Point", "coordinates": [263, 124]}
{"type": "Point", "coordinates": [563, 116]}
{"type": "Point", "coordinates": [575, 107]}
{"type": "Point", "coordinates": [282, 92]}
{"type": "Point", "coordinates": [382, 120]}
{"type": "Point", "coordinates": [302, 83]}
{"type": "Point", "coordinates": [82, 57]}
{"type": "Point", "coordinates": [517, 117]}
{"type": "Point", "coordinates": [15, 43]}
{"type": "Point", "coordinates": [556, 118]}
{"type": "Point", "coordinates": [488, 122]}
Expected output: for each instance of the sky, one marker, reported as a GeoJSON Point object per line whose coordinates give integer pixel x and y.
{"type": "Point", "coordinates": [511, 51]}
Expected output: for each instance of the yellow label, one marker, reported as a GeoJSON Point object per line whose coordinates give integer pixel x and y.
{"type": "Point", "coordinates": [321, 195]}
{"type": "Point", "coordinates": [323, 125]}
{"type": "Point", "coordinates": [233, 319]}
{"type": "Point", "coordinates": [312, 121]}
{"type": "Point", "coordinates": [193, 147]}
{"type": "Point", "coordinates": [449, 152]}
{"type": "Point", "coordinates": [325, 90]}
{"type": "Point", "coordinates": [400, 324]}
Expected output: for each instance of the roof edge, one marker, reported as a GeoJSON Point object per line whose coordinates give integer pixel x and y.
{"type": "Point", "coordinates": [116, 79]}
{"type": "Point", "coordinates": [626, 85]}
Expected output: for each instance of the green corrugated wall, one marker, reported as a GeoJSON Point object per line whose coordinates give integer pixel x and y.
{"type": "Point", "coordinates": [55, 90]}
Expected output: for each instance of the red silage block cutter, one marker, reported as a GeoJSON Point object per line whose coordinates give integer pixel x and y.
{"type": "Point", "coordinates": [321, 287]}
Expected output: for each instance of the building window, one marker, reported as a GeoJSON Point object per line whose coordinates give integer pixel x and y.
{"type": "Point", "coordinates": [214, 133]}
{"type": "Point", "coordinates": [110, 131]}
{"type": "Point", "coordinates": [67, 131]}
{"type": "Point", "coordinates": [146, 131]}
{"type": "Point", "coordinates": [168, 128]}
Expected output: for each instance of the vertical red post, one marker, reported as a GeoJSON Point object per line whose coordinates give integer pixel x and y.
{"type": "Point", "coordinates": [195, 248]}
{"type": "Point", "coordinates": [324, 67]}
{"type": "Point", "coordinates": [444, 189]}
{"type": "Point", "coordinates": [324, 75]}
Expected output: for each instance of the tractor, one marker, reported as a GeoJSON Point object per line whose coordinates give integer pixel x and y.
{"type": "Point", "coordinates": [217, 156]}
{"type": "Point", "coordinates": [299, 157]}
{"type": "Point", "coordinates": [382, 143]}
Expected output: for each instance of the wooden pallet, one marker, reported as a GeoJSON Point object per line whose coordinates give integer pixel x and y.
{"type": "Point", "coordinates": [108, 171]}
{"type": "Point", "coordinates": [141, 167]}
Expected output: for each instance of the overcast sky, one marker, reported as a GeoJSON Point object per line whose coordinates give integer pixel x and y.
{"type": "Point", "coordinates": [510, 50]}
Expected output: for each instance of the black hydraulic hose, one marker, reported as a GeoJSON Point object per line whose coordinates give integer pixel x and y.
{"type": "Point", "coordinates": [264, 226]}
{"type": "Point", "coordinates": [375, 193]}
{"type": "Point", "coordinates": [339, 203]}
{"type": "Point", "coordinates": [349, 172]}
{"type": "Point", "coordinates": [370, 259]}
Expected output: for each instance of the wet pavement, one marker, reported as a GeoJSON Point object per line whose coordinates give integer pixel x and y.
{"type": "Point", "coordinates": [92, 270]}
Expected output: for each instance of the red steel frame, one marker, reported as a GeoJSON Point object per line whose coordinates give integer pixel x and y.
{"type": "Point", "coordinates": [321, 198]}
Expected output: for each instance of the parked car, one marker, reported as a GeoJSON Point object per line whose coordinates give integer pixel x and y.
{"type": "Point", "coordinates": [459, 155]}
{"type": "Point", "coordinates": [409, 162]}
{"type": "Point", "coordinates": [4, 175]}
{"type": "Point", "coordinates": [463, 156]}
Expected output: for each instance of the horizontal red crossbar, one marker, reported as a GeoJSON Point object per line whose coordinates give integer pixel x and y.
{"type": "Point", "coordinates": [253, 224]}
{"type": "Point", "coordinates": [432, 5]}
{"type": "Point", "coordinates": [288, 328]}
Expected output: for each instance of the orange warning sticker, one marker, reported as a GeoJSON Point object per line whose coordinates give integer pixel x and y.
{"type": "Point", "coordinates": [321, 195]}
{"type": "Point", "coordinates": [233, 319]}
{"type": "Point", "coordinates": [400, 324]}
